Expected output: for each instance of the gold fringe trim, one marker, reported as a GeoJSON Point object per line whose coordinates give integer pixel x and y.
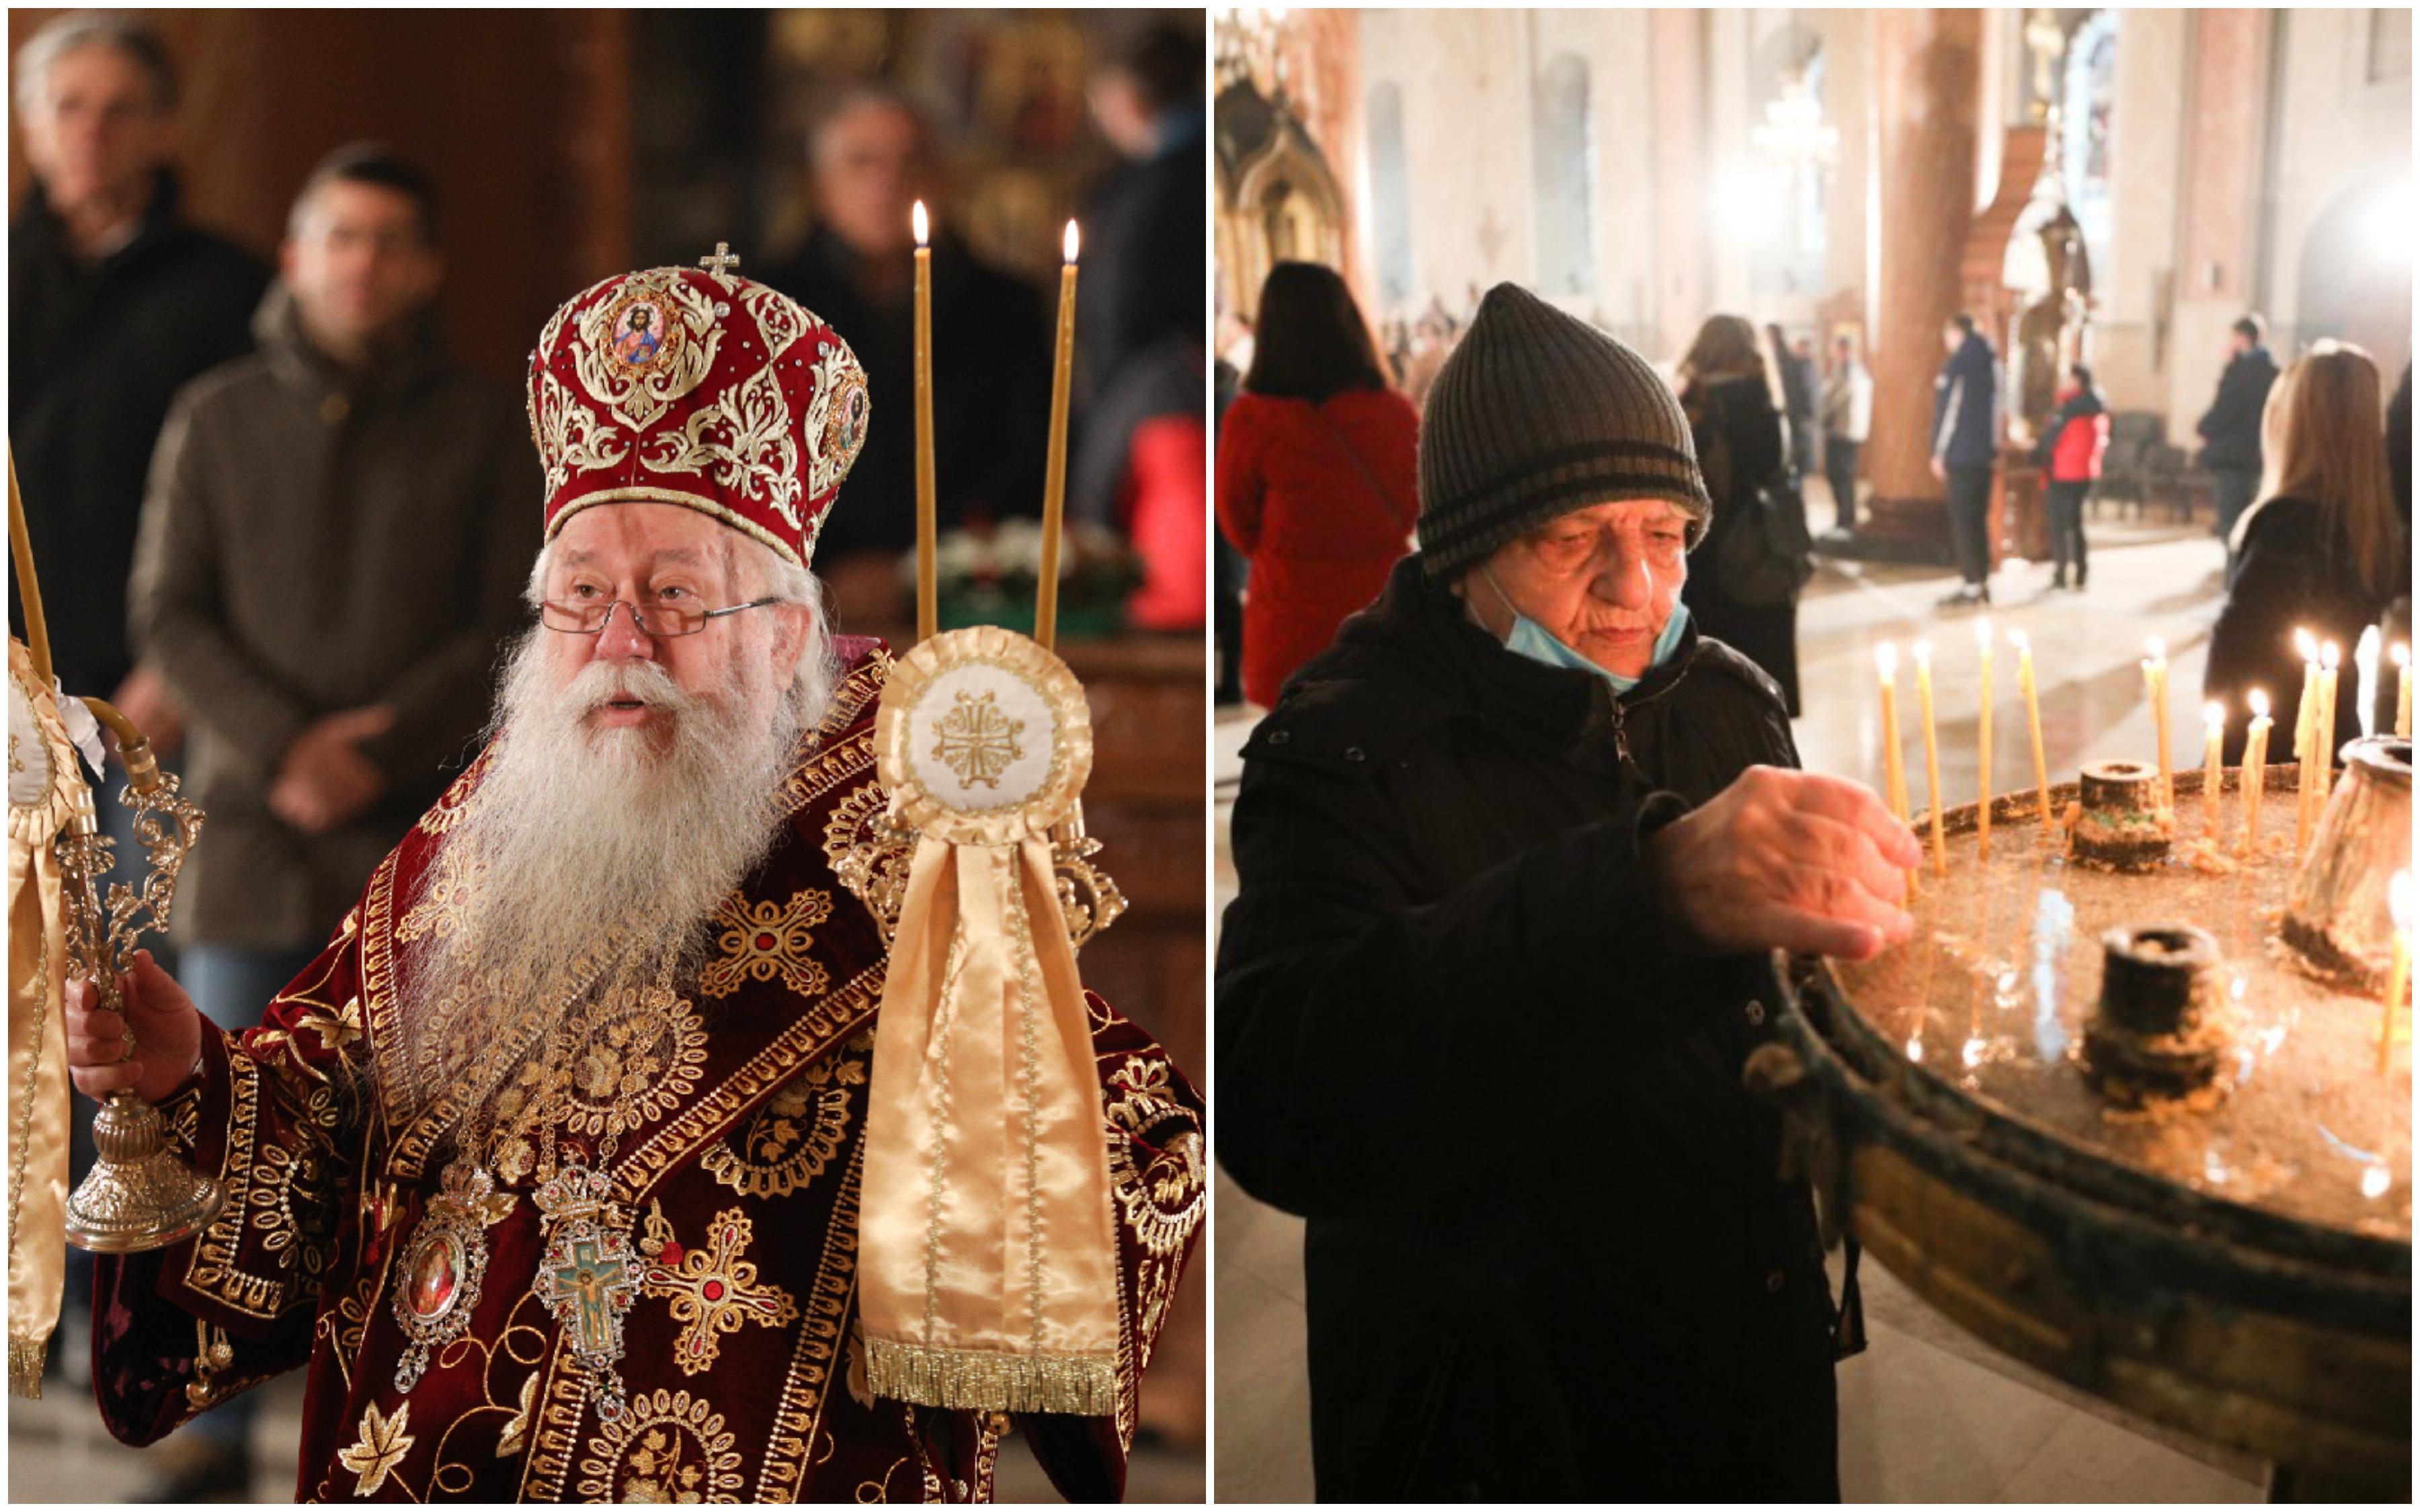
{"type": "Point", "coordinates": [26, 1364]}
{"type": "Point", "coordinates": [984, 1380]}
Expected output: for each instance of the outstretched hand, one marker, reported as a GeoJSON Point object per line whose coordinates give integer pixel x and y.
{"type": "Point", "coordinates": [166, 1034]}
{"type": "Point", "coordinates": [1787, 860]}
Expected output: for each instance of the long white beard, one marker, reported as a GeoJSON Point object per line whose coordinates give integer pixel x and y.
{"type": "Point", "coordinates": [576, 833]}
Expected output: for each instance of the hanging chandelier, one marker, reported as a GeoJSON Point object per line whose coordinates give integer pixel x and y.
{"type": "Point", "coordinates": [1794, 131]}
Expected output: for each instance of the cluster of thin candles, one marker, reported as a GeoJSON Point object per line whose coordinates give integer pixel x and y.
{"type": "Point", "coordinates": [2314, 753]}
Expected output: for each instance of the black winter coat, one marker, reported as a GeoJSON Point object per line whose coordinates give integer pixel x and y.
{"type": "Point", "coordinates": [1549, 1256]}
{"type": "Point", "coordinates": [2286, 576]}
{"type": "Point", "coordinates": [95, 353]}
{"type": "Point", "coordinates": [2231, 427]}
{"type": "Point", "coordinates": [1738, 436]}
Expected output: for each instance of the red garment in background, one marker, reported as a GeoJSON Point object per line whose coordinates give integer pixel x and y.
{"type": "Point", "coordinates": [2076, 457]}
{"type": "Point", "coordinates": [1320, 530]}
{"type": "Point", "coordinates": [1162, 505]}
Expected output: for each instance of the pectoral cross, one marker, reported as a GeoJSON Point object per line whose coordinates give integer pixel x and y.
{"type": "Point", "coordinates": [720, 260]}
{"type": "Point", "coordinates": [588, 1280]}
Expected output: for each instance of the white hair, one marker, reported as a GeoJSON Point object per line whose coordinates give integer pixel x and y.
{"type": "Point", "coordinates": [78, 29]}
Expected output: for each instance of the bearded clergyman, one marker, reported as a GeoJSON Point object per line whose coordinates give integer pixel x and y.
{"type": "Point", "coordinates": [550, 1167]}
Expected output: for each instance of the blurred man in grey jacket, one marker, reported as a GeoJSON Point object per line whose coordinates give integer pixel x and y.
{"type": "Point", "coordinates": [330, 556]}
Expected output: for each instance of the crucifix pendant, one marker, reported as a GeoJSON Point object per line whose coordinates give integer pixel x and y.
{"type": "Point", "coordinates": [444, 1266]}
{"type": "Point", "coordinates": [587, 1276]}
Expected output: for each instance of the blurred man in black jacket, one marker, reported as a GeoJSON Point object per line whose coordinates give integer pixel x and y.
{"type": "Point", "coordinates": [872, 159]}
{"type": "Point", "coordinates": [113, 304]}
{"type": "Point", "coordinates": [2230, 430]}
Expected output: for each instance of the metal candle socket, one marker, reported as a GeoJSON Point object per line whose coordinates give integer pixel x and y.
{"type": "Point", "coordinates": [2160, 1029]}
{"type": "Point", "coordinates": [2338, 921]}
{"type": "Point", "coordinates": [138, 1197]}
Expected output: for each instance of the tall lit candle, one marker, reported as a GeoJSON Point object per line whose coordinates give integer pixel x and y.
{"type": "Point", "coordinates": [2365, 662]}
{"type": "Point", "coordinates": [2033, 721]}
{"type": "Point", "coordinates": [1054, 476]}
{"type": "Point", "coordinates": [1893, 764]}
{"type": "Point", "coordinates": [2398, 971]}
{"type": "Point", "coordinates": [2155, 678]}
{"type": "Point", "coordinates": [1983, 738]}
{"type": "Point", "coordinates": [1922, 652]}
{"type": "Point", "coordinates": [1894, 760]}
{"type": "Point", "coordinates": [2323, 730]}
{"type": "Point", "coordinates": [927, 603]}
{"type": "Point", "coordinates": [2401, 655]}
{"type": "Point", "coordinates": [2214, 771]}
{"type": "Point", "coordinates": [2256, 767]}
{"type": "Point", "coordinates": [2305, 711]}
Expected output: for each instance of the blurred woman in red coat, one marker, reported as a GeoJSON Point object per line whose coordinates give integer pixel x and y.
{"type": "Point", "coordinates": [1318, 482]}
{"type": "Point", "coordinates": [2071, 445]}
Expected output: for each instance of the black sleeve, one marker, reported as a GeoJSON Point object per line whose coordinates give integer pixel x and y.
{"type": "Point", "coordinates": [1354, 1026]}
{"type": "Point", "coordinates": [1756, 442]}
{"type": "Point", "coordinates": [2252, 645]}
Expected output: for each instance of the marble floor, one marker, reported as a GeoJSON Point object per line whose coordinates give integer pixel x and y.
{"type": "Point", "coordinates": [1928, 1413]}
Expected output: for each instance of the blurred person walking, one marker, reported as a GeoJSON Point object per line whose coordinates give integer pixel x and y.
{"type": "Point", "coordinates": [2320, 548]}
{"type": "Point", "coordinates": [2070, 451]}
{"type": "Point", "coordinates": [1965, 448]}
{"type": "Point", "coordinates": [1318, 481]}
{"type": "Point", "coordinates": [1738, 435]}
{"type": "Point", "coordinates": [2231, 428]}
{"type": "Point", "coordinates": [1846, 414]}
{"type": "Point", "coordinates": [871, 157]}
{"type": "Point", "coordinates": [114, 305]}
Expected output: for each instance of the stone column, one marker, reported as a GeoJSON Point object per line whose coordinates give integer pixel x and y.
{"type": "Point", "coordinates": [1684, 255]}
{"type": "Point", "coordinates": [1925, 69]}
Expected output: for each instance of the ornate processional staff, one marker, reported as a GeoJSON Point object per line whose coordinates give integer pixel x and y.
{"type": "Point", "coordinates": [138, 1197]}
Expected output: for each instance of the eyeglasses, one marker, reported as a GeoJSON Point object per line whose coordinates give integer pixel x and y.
{"type": "Point", "coordinates": [660, 619]}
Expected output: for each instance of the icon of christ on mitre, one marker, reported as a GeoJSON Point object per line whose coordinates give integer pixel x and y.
{"type": "Point", "coordinates": [700, 1102]}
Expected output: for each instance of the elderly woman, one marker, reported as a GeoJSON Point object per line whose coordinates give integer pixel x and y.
{"type": "Point", "coordinates": [1506, 852]}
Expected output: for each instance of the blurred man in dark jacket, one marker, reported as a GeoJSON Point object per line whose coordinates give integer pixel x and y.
{"type": "Point", "coordinates": [332, 555]}
{"type": "Point", "coordinates": [2230, 429]}
{"type": "Point", "coordinates": [872, 159]}
{"type": "Point", "coordinates": [1145, 231]}
{"type": "Point", "coordinates": [114, 303]}
{"type": "Point", "coordinates": [1965, 446]}
{"type": "Point", "coordinates": [1521, 820]}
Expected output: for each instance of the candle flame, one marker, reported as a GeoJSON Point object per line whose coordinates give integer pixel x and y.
{"type": "Point", "coordinates": [2375, 1180]}
{"type": "Point", "coordinates": [1984, 634]}
{"type": "Point", "coordinates": [2330, 655]}
{"type": "Point", "coordinates": [2018, 638]}
{"type": "Point", "coordinates": [1886, 660]}
{"type": "Point", "coordinates": [2398, 900]}
{"type": "Point", "coordinates": [1069, 242]}
{"type": "Point", "coordinates": [2307, 643]}
{"type": "Point", "coordinates": [1922, 652]}
{"type": "Point", "coordinates": [2259, 702]}
{"type": "Point", "coordinates": [923, 226]}
{"type": "Point", "coordinates": [2400, 654]}
{"type": "Point", "coordinates": [2213, 716]}
{"type": "Point", "coordinates": [2156, 649]}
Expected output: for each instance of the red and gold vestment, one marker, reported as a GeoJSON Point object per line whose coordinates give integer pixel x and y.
{"type": "Point", "coordinates": [729, 1114]}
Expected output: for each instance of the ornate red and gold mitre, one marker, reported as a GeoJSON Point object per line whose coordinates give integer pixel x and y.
{"type": "Point", "coordinates": [693, 386]}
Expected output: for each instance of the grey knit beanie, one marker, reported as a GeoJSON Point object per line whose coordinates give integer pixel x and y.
{"type": "Point", "coordinates": [1534, 415]}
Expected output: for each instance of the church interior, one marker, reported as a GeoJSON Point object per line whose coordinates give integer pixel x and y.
{"type": "Point", "coordinates": [2116, 187]}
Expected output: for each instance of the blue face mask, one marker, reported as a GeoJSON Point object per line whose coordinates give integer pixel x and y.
{"type": "Point", "coordinates": [1532, 639]}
